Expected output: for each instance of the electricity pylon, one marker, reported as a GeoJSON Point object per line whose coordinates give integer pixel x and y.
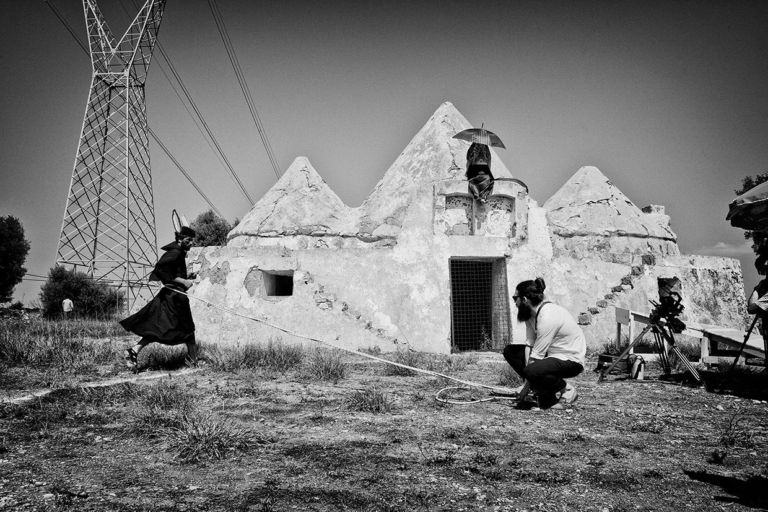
{"type": "Point", "coordinates": [108, 231]}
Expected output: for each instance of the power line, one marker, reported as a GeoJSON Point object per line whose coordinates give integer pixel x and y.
{"type": "Point", "coordinates": [219, 19]}
{"type": "Point", "coordinates": [157, 139]}
{"type": "Point", "coordinates": [180, 168]}
{"type": "Point", "coordinates": [202, 120]}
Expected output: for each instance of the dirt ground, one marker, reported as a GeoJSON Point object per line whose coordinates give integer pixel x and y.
{"type": "Point", "coordinates": [263, 440]}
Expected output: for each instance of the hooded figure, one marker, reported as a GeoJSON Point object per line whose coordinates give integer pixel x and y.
{"type": "Point", "coordinates": [167, 318]}
{"type": "Point", "coordinates": [479, 171]}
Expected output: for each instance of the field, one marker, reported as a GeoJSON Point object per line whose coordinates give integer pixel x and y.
{"type": "Point", "coordinates": [275, 427]}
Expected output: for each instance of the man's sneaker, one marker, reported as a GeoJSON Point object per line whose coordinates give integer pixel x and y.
{"type": "Point", "coordinates": [568, 395]}
{"type": "Point", "coordinates": [131, 358]}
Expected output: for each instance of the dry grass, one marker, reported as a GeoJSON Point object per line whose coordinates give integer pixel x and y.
{"type": "Point", "coordinates": [275, 356]}
{"type": "Point", "coordinates": [43, 343]}
{"type": "Point", "coordinates": [325, 365]}
{"type": "Point", "coordinates": [326, 434]}
{"type": "Point", "coordinates": [199, 437]}
{"type": "Point", "coordinates": [369, 399]}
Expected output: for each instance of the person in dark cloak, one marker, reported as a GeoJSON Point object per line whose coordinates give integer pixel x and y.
{"type": "Point", "coordinates": [479, 171]}
{"type": "Point", "coordinates": [167, 318]}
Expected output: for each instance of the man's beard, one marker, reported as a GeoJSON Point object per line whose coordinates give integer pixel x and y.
{"type": "Point", "coordinates": [524, 312]}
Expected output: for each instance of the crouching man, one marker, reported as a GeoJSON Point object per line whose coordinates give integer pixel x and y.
{"type": "Point", "coordinates": [556, 344]}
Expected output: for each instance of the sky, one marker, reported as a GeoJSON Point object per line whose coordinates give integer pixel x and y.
{"type": "Point", "coordinates": [668, 99]}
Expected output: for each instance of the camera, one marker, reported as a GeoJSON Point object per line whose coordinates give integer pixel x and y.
{"type": "Point", "coordinates": [669, 307]}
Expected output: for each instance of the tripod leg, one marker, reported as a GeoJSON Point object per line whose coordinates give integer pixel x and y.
{"type": "Point", "coordinates": [637, 339]}
{"type": "Point", "coordinates": [661, 348]}
{"type": "Point", "coordinates": [671, 340]}
{"type": "Point", "coordinates": [688, 365]}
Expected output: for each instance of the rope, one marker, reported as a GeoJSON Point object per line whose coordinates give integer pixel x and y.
{"type": "Point", "coordinates": [467, 383]}
{"type": "Point", "coordinates": [99, 384]}
{"type": "Point", "coordinates": [474, 401]}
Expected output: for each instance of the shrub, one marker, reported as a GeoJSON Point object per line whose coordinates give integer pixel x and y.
{"type": "Point", "coordinates": [160, 408]}
{"type": "Point", "coordinates": [164, 357]}
{"type": "Point", "coordinates": [199, 437]}
{"type": "Point", "coordinates": [326, 365]}
{"type": "Point", "coordinates": [13, 252]}
{"type": "Point", "coordinates": [369, 400]}
{"type": "Point", "coordinates": [210, 229]}
{"type": "Point", "coordinates": [91, 298]}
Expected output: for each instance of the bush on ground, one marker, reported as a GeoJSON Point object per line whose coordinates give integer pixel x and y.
{"type": "Point", "coordinates": [13, 252]}
{"type": "Point", "coordinates": [369, 399]}
{"type": "Point", "coordinates": [91, 299]}
{"type": "Point", "coordinates": [205, 436]}
{"type": "Point", "coordinates": [326, 365]}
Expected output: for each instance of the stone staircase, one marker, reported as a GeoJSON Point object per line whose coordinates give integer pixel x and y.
{"type": "Point", "coordinates": [624, 286]}
{"type": "Point", "coordinates": [327, 300]}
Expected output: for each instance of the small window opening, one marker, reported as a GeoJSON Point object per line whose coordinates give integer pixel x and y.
{"type": "Point", "coordinates": [278, 283]}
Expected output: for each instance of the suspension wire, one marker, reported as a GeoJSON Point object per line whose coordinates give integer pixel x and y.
{"type": "Point", "coordinates": [219, 19]}
{"type": "Point", "coordinates": [67, 26]}
{"type": "Point", "coordinates": [157, 139]}
{"type": "Point", "coordinates": [180, 168]}
{"type": "Point", "coordinates": [199, 115]}
{"type": "Point", "coordinates": [192, 115]}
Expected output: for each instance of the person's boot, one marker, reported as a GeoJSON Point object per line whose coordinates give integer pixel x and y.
{"type": "Point", "coordinates": [131, 359]}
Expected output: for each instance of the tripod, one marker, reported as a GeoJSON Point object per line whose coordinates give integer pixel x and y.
{"type": "Point", "coordinates": [662, 334]}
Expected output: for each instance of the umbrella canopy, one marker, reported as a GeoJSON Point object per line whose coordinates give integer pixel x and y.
{"type": "Point", "coordinates": [750, 209]}
{"type": "Point", "coordinates": [480, 136]}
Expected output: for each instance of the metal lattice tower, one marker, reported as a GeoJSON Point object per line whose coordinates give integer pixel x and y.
{"type": "Point", "coordinates": [108, 230]}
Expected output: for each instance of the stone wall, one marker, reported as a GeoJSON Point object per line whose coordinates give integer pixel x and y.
{"type": "Point", "coordinates": [713, 294]}
{"type": "Point", "coordinates": [361, 297]}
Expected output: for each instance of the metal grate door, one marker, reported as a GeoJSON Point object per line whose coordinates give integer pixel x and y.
{"type": "Point", "coordinates": [471, 301]}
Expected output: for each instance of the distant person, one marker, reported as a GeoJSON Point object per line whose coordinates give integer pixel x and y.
{"type": "Point", "coordinates": [556, 344]}
{"type": "Point", "coordinates": [66, 307]}
{"type": "Point", "coordinates": [167, 319]}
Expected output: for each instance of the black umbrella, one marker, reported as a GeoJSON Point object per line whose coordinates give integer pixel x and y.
{"type": "Point", "coordinates": [481, 136]}
{"type": "Point", "coordinates": [750, 209]}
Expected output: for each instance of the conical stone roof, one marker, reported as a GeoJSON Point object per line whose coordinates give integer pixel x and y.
{"type": "Point", "coordinates": [588, 204]}
{"type": "Point", "coordinates": [432, 155]}
{"type": "Point", "coordinates": [300, 203]}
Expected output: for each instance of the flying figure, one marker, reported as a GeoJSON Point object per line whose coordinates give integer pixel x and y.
{"type": "Point", "coordinates": [479, 173]}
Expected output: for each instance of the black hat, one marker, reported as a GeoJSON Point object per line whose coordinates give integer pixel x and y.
{"type": "Point", "coordinates": [186, 231]}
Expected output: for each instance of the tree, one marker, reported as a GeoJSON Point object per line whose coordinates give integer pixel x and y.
{"type": "Point", "coordinates": [91, 298]}
{"type": "Point", "coordinates": [747, 183]}
{"type": "Point", "coordinates": [13, 252]}
{"type": "Point", "coordinates": [210, 229]}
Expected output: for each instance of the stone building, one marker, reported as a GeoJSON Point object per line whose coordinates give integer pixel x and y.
{"type": "Point", "coordinates": [420, 264]}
